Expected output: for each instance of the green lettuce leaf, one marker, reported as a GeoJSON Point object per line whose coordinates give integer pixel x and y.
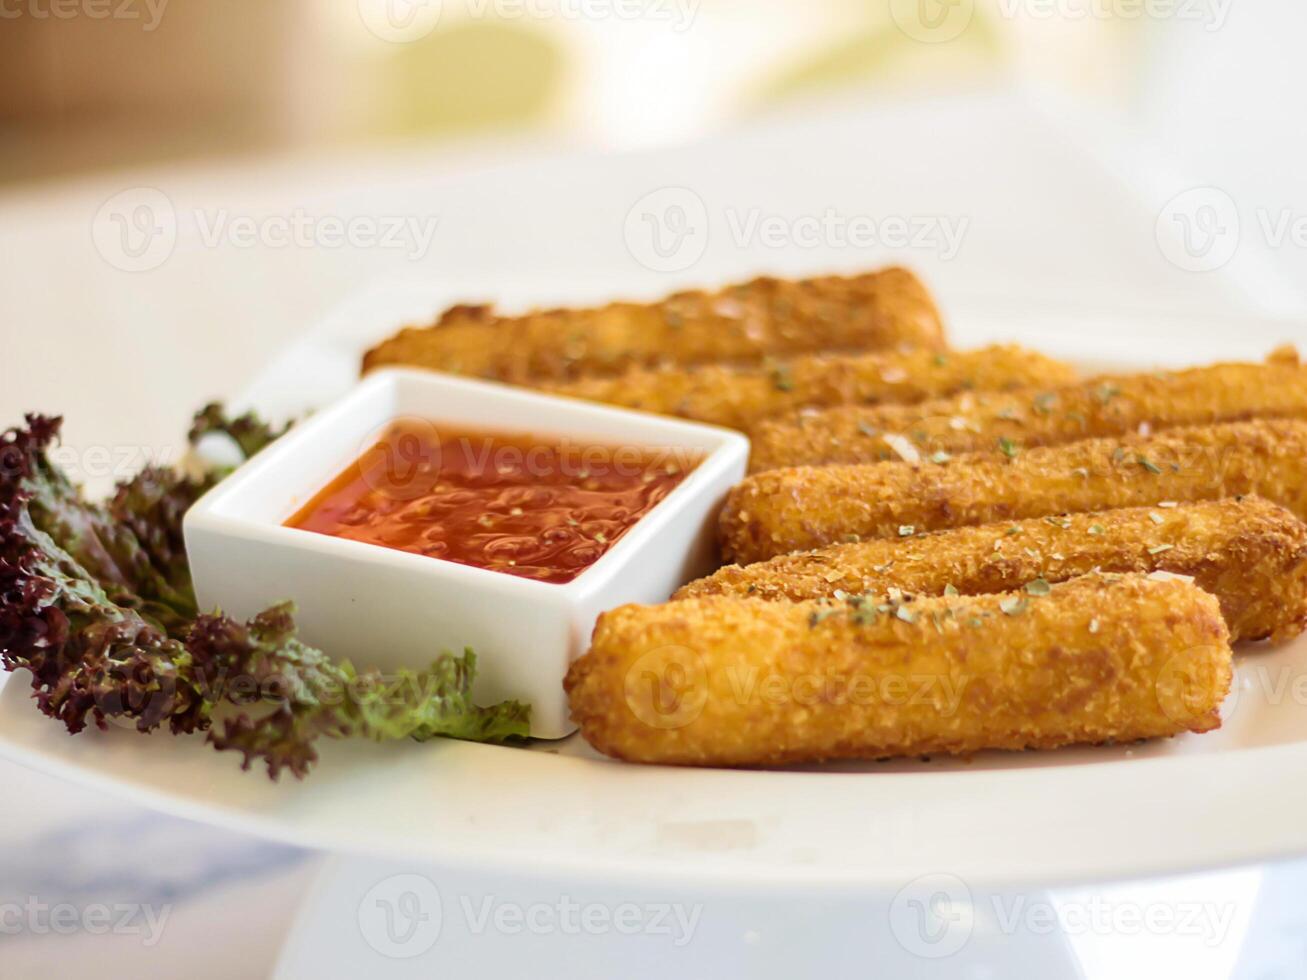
{"type": "Point", "coordinates": [96, 602]}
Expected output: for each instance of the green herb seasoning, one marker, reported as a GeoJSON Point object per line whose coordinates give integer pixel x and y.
{"type": "Point", "coordinates": [1014, 606]}
{"type": "Point", "coordinates": [1039, 587]}
{"type": "Point", "coordinates": [819, 617]}
{"type": "Point", "coordinates": [1106, 393]}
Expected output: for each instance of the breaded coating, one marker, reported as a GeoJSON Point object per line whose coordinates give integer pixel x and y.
{"type": "Point", "coordinates": [740, 396]}
{"type": "Point", "coordinates": [1249, 553]}
{"type": "Point", "coordinates": [1040, 415]}
{"type": "Point", "coordinates": [807, 507]}
{"type": "Point", "coordinates": [724, 681]}
{"type": "Point", "coordinates": [745, 323]}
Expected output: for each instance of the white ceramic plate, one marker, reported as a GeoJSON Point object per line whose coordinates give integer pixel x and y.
{"type": "Point", "coordinates": [1231, 796]}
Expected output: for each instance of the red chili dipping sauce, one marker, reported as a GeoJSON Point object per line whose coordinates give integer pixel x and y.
{"type": "Point", "coordinates": [539, 507]}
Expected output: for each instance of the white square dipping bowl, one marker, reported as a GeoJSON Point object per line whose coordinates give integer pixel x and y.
{"type": "Point", "coordinates": [383, 608]}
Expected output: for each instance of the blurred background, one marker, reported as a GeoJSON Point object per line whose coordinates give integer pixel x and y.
{"type": "Point", "coordinates": [169, 79]}
{"type": "Point", "coordinates": [1120, 155]}
{"type": "Point", "coordinates": [91, 84]}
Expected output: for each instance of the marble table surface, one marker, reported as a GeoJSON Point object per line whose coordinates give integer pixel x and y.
{"type": "Point", "coordinates": [86, 880]}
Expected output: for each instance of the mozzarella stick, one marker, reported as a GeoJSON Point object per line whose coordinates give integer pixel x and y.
{"type": "Point", "coordinates": [807, 507]}
{"type": "Point", "coordinates": [1249, 553]}
{"type": "Point", "coordinates": [741, 396]}
{"type": "Point", "coordinates": [724, 681]}
{"type": "Point", "coordinates": [1040, 415]}
{"type": "Point", "coordinates": [745, 323]}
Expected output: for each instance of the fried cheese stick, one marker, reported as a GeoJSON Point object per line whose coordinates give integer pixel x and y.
{"type": "Point", "coordinates": [1036, 416]}
{"type": "Point", "coordinates": [745, 323]}
{"type": "Point", "coordinates": [807, 507]}
{"type": "Point", "coordinates": [1249, 553]}
{"type": "Point", "coordinates": [723, 681]}
{"type": "Point", "coordinates": [740, 396]}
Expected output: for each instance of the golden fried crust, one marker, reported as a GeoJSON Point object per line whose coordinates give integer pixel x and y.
{"type": "Point", "coordinates": [741, 682]}
{"type": "Point", "coordinates": [1037, 416]}
{"type": "Point", "coordinates": [745, 323]}
{"type": "Point", "coordinates": [779, 511]}
{"type": "Point", "coordinates": [1250, 554]}
{"type": "Point", "coordinates": [740, 396]}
